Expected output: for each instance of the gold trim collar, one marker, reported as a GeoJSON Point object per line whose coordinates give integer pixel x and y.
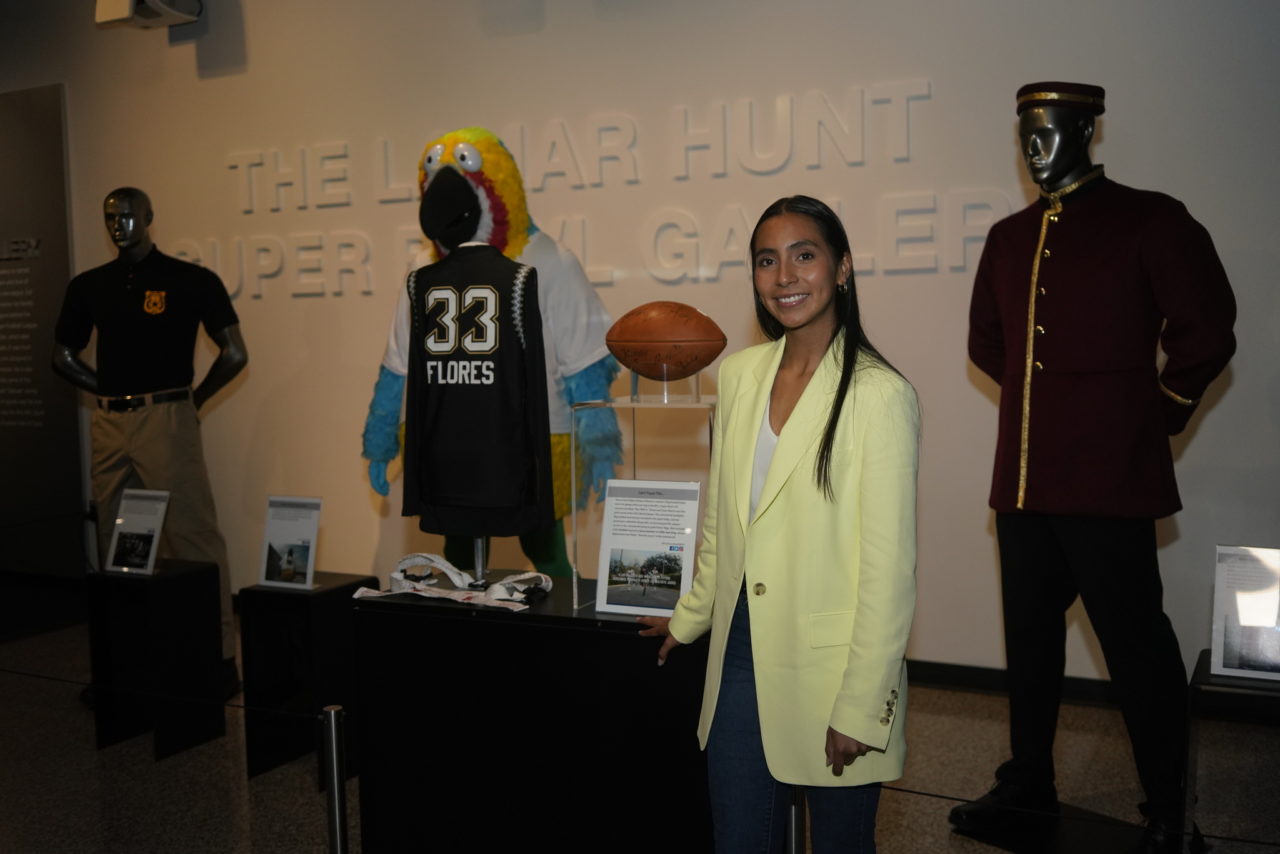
{"type": "Point", "coordinates": [1055, 198]}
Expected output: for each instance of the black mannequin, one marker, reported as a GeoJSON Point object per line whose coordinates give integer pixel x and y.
{"type": "Point", "coordinates": [1072, 298]}
{"type": "Point", "coordinates": [147, 309]}
{"type": "Point", "coordinates": [128, 216]}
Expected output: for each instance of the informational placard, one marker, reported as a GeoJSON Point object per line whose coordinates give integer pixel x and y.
{"type": "Point", "coordinates": [136, 535]}
{"type": "Point", "coordinates": [1246, 613]}
{"type": "Point", "coordinates": [288, 545]}
{"type": "Point", "coordinates": [43, 529]}
{"type": "Point", "coordinates": [646, 546]}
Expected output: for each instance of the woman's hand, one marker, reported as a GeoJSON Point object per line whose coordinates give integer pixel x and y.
{"type": "Point", "coordinates": [657, 628]}
{"type": "Point", "coordinates": [842, 750]}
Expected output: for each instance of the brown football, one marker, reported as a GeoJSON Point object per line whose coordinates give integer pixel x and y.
{"type": "Point", "coordinates": [665, 340]}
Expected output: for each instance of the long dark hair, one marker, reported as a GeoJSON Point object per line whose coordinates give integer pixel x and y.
{"type": "Point", "coordinates": [848, 317]}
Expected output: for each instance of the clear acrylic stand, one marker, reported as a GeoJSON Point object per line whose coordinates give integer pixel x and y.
{"type": "Point", "coordinates": [669, 397]}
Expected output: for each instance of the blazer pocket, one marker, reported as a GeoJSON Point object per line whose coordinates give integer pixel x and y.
{"type": "Point", "coordinates": [831, 629]}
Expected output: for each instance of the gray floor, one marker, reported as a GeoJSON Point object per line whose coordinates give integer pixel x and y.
{"type": "Point", "coordinates": [59, 794]}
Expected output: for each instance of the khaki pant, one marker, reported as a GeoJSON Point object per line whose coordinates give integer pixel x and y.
{"type": "Point", "coordinates": [158, 447]}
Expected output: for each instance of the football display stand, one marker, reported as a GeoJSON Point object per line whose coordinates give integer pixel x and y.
{"type": "Point", "coordinates": [659, 430]}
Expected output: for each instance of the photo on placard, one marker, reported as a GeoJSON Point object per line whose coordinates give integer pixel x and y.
{"type": "Point", "coordinates": [645, 579]}
{"type": "Point", "coordinates": [288, 562]}
{"type": "Point", "coordinates": [133, 549]}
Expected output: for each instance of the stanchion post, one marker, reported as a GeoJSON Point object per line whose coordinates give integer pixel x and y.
{"type": "Point", "coordinates": [335, 768]}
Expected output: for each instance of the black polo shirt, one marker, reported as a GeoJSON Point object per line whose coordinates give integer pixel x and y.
{"type": "Point", "coordinates": [146, 315]}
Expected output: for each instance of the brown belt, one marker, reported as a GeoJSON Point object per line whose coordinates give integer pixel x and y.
{"type": "Point", "coordinates": [130, 402]}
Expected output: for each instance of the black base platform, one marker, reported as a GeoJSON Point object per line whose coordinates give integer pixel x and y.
{"type": "Point", "coordinates": [483, 729]}
{"type": "Point", "coordinates": [298, 658]}
{"type": "Point", "coordinates": [156, 655]}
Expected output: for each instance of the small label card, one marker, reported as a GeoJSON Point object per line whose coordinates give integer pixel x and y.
{"type": "Point", "coordinates": [1246, 613]}
{"type": "Point", "coordinates": [288, 546]}
{"type": "Point", "coordinates": [135, 537]}
{"type": "Point", "coordinates": [646, 546]}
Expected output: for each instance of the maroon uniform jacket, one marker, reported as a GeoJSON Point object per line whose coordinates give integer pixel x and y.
{"type": "Point", "coordinates": [1119, 270]}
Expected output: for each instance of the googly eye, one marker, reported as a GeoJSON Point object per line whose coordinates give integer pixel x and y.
{"type": "Point", "coordinates": [431, 160]}
{"type": "Point", "coordinates": [468, 158]}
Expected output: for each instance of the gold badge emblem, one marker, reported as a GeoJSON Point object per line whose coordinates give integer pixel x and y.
{"type": "Point", "coordinates": [154, 303]}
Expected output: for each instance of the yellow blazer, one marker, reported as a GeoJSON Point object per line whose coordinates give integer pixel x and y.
{"type": "Point", "coordinates": [830, 584]}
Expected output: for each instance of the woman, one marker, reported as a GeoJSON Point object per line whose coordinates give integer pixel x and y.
{"type": "Point", "coordinates": [806, 575]}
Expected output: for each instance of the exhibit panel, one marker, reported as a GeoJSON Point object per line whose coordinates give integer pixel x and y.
{"type": "Point", "coordinates": [43, 509]}
{"type": "Point", "coordinates": [649, 139]}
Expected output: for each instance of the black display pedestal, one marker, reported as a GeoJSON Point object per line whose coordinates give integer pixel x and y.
{"type": "Point", "coordinates": [1226, 697]}
{"type": "Point", "coordinates": [296, 647]}
{"type": "Point", "coordinates": [156, 655]}
{"type": "Point", "coordinates": [482, 729]}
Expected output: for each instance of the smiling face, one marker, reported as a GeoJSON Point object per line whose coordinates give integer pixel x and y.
{"type": "Point", "coordinates": [795, 273]}
{"type": "Point", "coordinates": [1055, 145]}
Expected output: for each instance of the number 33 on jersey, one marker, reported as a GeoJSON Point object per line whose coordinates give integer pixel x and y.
{"type": "Point", "coordinates": [477, 446]}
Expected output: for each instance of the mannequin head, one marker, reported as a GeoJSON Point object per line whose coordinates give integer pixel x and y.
{"type": "Point", "coordinates": [1055, 145]}
{"type": "Point", "coordinates": [1055, 127]}
{"type": "Point", "coordinates": [127, 213]}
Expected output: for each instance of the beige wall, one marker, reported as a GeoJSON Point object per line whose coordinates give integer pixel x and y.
{"type": "Point", "coordinates": [602, 98]}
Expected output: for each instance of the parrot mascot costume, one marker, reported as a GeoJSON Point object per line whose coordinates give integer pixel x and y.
{"type": "Point", "coordinates": [472, 192]}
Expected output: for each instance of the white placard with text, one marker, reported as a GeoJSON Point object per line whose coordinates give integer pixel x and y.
{"type": "Point", "coordinates": [646, 546]}
{"type": "Point", "coordinates": [289, 543]}
{"type": "Point", "coordinates": [1246, 613]}
{"type": "Point", "coordinates": [135, 537]}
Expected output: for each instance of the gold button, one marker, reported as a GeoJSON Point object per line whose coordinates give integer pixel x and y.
{"type": "Point", "coordinates": [1042, 291]}
{"type": "Point", "coordinates": [1039, 366]}
{"type": "Point", "coordinates": [1053, 218]}
{"type": "Point", "coordinates": [1039, 330]}
{"type": "Point", "coordinates": [759, 588]}
{"type": "Point", "coordinates": [884, 721]}
{"type": "Point", "coordinates": [1046, 253]}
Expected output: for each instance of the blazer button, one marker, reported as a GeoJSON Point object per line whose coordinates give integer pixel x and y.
{"type": "Point", "coordinates": [1039, 330]}
{"type": "Point", "coordinates": [1047, 253]}
{"type": "Point", "coordinates": [884, 721]}
{"type": "Point", "coordinates": [894, 693]}
{"type": "Point", "coordinates": [759, 588]}
{"type": "Point", "coordinates": [1039, 366]}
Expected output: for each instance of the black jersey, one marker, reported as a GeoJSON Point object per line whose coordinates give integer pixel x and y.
{"type": "Point", "coordinates": [477, 456]}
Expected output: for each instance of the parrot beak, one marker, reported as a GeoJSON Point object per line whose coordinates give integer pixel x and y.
{"type": "Point", "coordinates": [449, 212]}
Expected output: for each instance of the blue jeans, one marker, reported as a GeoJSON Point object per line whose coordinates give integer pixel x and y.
{"type": "Point", "coordinates": [748, 806]}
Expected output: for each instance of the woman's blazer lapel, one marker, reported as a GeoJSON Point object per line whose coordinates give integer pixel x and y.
{"type": "Point", "coordinates": [802, 431]}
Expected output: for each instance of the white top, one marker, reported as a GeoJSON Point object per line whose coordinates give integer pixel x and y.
{"type": "Point", "coordinates": [766, 442]}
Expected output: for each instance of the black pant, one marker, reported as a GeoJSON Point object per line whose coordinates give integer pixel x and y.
{"type": "Point", "coordinates": [1046, 561]}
